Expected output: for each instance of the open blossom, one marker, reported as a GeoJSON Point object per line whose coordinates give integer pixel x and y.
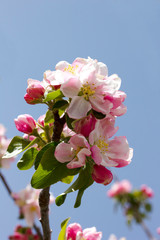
{"type": "Point", "coordinates": [25, 123]}
{"type": "Point", "coordinates": [74, 232]}
{"type": "Point", "coordinates": [23, 233]}
{"type": "Point", "coordinates": [4, 142]}
{"type": "Point", "coordinates": [109, 153]}
{"type": "Point", "coordinates": [101, 175]}
{"type": "Point", "coordinates": [88, 88]}
{"type": "Point", "coordinates": [118, 188]}
{"type": "Point", "coordinates": [147, 191]}
{"type": "Point", "coordinates": [27, 200]}
{"type": "Point", "coordinates": [35, 91]}
{"type": "Point", "coordinates": [74, 152]}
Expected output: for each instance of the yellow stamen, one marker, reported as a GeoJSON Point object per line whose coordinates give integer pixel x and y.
{"type": "Point", "coordinates": [87, 91]}
{"type": "Point", "coordinates": [102, 145]}
{"type": "Point", "coordinates": [71, 69]}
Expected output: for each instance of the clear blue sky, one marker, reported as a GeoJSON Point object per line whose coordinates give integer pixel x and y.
{"type": "Point", "coordinates": [34, 36]}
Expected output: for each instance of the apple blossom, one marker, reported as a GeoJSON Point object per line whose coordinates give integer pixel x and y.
{"type": "Point", "coordinates": [101, 174]}
{"type": "Point", "coordinates": [35, 91]}
{"type": "Point", "coordinates": [74, 152]}
{"type": "Point", "coordinates": [147, 191]}
{"type": "Point", "coordinates": [118, 188]}
{"type": "Point", "coordinates": [23, 233]}
{"type": "Point", "coordinates": [25, 123]}
{"type": "Point", "coordinates": [74, 232]}
{"type": "Point", "coordinates": [27, 200]}
{"type": "Point", "coordinates": [109, 153]}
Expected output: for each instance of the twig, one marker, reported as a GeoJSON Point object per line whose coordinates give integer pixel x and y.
{"type": "Point", "coordinates": [147, 231]}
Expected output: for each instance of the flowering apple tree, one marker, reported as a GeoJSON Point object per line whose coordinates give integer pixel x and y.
{"type": "Point", "coordinates": [74, 136]}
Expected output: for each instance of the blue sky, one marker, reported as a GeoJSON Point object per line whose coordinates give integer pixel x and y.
{"type": "Point", "coordinates": [34, 36]}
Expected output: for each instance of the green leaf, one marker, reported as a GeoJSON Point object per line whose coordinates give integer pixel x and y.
{"type": "Point", "coordinates": [27, 160]}
{"type": "Point", "coordinates": [49, 117]}
{"type": "Point", "coordinates": [41, 152]}
{"type": "Point", "coordinates": [62, 234]}
{"type": "Point", "coordinates": [16, 146]}
{"type": "Point", "coordinates": [60, 104]}
{"type": "Point", "coordinates": [67, 179]}
{"type": "Point", "coordinates": [83, 181]}
{"type": "Point", "coordinates": [50, 171]}
{"type": "Point", "coordinates": [69, 121]}
{"type": "Point", "coordinates": [53, 95]}
{"type": "Point", "coordinates": [98, 115]}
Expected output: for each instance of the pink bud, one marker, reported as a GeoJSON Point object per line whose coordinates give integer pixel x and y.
{"type": "Point", "coordinates": [25, 123]}
{"type": "Point", "coordinates": [41, 120]}
{"type": "Point", "coordinates": [102, 175]}
{"type": "Point", "coordinates": [147, 191]}
{"type": "Point", "coordinates": [85, 125]}
{"type": "Point", "coordinates": [35, 91]}
{"type": "Point", "coordinates": [72, 231]}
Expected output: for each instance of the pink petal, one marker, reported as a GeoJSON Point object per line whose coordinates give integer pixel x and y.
{"type": "Point", "coordinates": [71, 87]}
{"type": "Point", "coordinates": [96, 155]}
{"type": "Point", "coordinates": [63, 152]}
{"type": "Point", "coordinates": [78, 107]}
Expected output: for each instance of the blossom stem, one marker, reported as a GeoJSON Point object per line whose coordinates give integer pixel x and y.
{"type": "Point", "coordinates": [10, 194]}
{"type": "Point", "coordinates": [44, 196]}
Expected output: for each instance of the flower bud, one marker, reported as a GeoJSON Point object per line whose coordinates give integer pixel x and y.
{"type": "Point", "coordinates": [102, 175]}
{"type": "Point", "coordinates": [85, 125]}
{"type": "Point", "coordinates": [25, 123]}
{"type": "Point", "coordinates": [72, 231]}
{"type": "Point", "coordinates": [35, 91]}
{"type": "Point", "coordinates": [147, 191]}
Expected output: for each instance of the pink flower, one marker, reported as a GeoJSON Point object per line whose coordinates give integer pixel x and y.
{"type": "Point", "coordinates": [27, 200]}
{"type": "Point", "coordinates": [102, 175]}
{"type": "Point", "coordinates": [74, 232]}
{"type": "Point", "coordinates": [87, 83]}
{"type": "Point", "coordinates": [119, 188]}
{"type": "Point", "coordinates": [147, 191]}
{"type": "Point", "coordinates": [67, 132]}
{"type": "Point", "coordinates": [158, 230]}
{"type": "Point", "coordinates": [25, 123]}
{"type": "Point", "coordinates": [85, 125]}
{"type": "Point", "coordinates": [2, 130]}
{"type": "Point", "coordinates": [35, 91]}
{"type": "Point", "coordinates": [74, 152]}
{"type": "Point", "coordinates": [109, 153]}
{"type": "Point", "coordinates": [23, 233]}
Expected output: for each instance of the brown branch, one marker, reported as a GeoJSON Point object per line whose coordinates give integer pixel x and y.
{"type": "Point", "coordinates": [58, 126]}
{"type": "Point", "coordinates": [44, 198]}
{"type": "Point", "coordinates": [147, 231]}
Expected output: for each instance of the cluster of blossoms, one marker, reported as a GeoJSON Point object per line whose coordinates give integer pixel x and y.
{"type": "Point", "coordinates": [27, 201]}
{"type": "Point", "coordinates": [134, 202]}
{"type": "Point", "coordinates": [74, 231]}
{"type": "Point", "coordinates": [23, 233]}
{"type": "Point", "coordinates": [88, 101]}
{"type": "Point", "coordinates": [4, 142]}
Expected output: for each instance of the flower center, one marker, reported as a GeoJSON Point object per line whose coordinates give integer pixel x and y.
{"type": "Point", "coordinates": [87, 91]}
{"type": "Point", "coordinates": [102, 145]}
{"type": "Point", "coordinates": [71, 69]}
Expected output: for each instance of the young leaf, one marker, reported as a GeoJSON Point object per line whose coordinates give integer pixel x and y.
{"type": "Point", "coordinates": [67, 179]}
{"type": "Point", "coordinates": [53, 95]}
{"type": "Point", "coordinates": [62, 234]}
{"type": "Point", "coordinates": [27, 160]}
{"type": "Point", "coordinates": [16, 146]}
{"type": "Point", "coordinates": [40, 154]}
{"type": "Point", "coordinates": [60, 104]}
{"type": "Point", "coordinates": [69, 121]}
{"type": "Point", "coordinates": [83, 181]}
{"type": "Point", "coordinates": [49, 117]}
{"type": "Point", "coordinates": [50, 170]}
